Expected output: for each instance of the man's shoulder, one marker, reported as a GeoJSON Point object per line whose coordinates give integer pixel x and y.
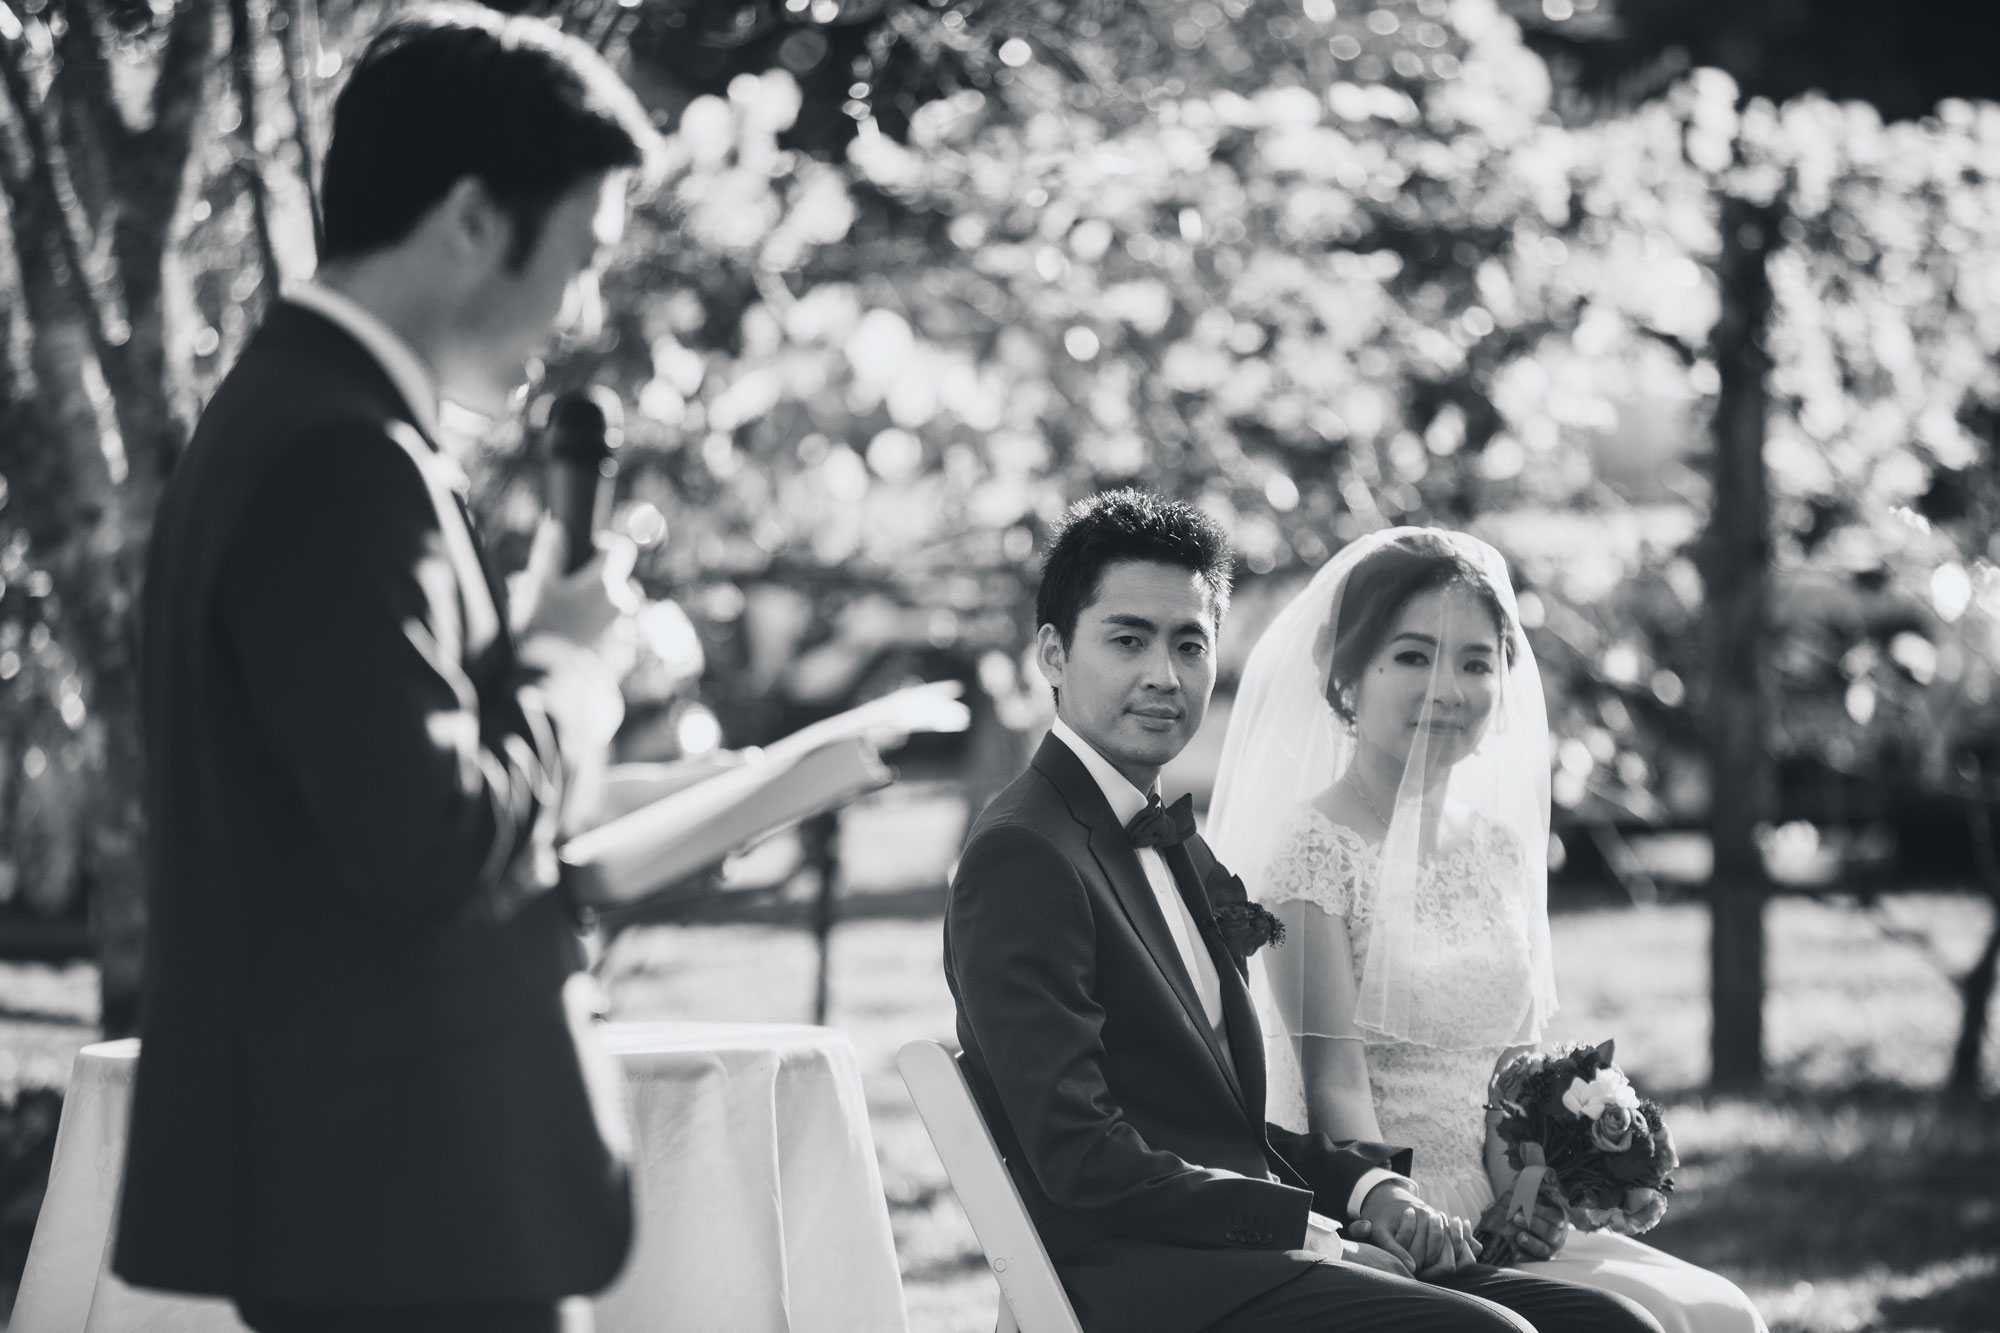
{"type": "Point", "coordinates": [298, 375]}
{"type": "Point", "coordinates": [1030, 802]}
{"type": "Point", "coordinates": [1028, 818]}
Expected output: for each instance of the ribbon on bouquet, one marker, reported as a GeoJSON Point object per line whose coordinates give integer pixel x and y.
{"type": "Point", "coordinates": [1528, 1185]}
{"type": "Point", "coordinates": [1497, 1245]}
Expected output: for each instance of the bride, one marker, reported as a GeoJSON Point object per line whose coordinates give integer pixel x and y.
{"type": "Point", "coordinates": [1384, 789]}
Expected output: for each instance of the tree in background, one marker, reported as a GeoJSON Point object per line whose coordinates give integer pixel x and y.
{"type": "Point", "coordinates": [1285, 260]}
{"type": "Point", "coordinates": [142, 233]}
{"type": "Point", "coordinates": [1901, 60]}
{"type": "Point", "coordinates": [926, 270]}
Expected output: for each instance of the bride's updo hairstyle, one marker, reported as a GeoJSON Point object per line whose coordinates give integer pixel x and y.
{"type": "Point", "coordinates": [1378, 590]}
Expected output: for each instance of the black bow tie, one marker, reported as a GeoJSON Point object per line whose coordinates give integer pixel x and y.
{"type": "Point", "coordinates": [1162, 825]}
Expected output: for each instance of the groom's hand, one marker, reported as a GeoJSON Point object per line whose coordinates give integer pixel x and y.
{"type": "Point", "coordinates": [1363, 1255]}
{"type": "Point", "coordinates": [1408, 1228]}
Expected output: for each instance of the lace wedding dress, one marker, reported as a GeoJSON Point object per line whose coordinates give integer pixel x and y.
{"type": "Point", "coordinates": [1430, 1099]}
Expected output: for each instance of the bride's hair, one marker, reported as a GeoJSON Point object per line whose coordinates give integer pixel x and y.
{"type": "Point", "coordinates": [1380, 587]}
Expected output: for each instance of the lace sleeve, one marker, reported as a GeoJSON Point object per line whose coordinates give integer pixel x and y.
{"type": "Point", "coordinates": [1312, 864]}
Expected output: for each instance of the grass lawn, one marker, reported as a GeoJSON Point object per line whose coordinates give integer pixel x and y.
{"type": "Point", "coordinates": [1844, 1201]}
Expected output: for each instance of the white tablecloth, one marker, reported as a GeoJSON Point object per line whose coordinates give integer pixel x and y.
{"type": "Point", "coordinates": [759, 1202]}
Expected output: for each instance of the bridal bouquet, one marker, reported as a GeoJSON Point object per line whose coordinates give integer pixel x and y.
{"type": "Point", "coordinates": [1582, 1138]}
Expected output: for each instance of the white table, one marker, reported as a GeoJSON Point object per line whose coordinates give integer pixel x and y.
{"type": "Point", "coordinates": [759, 1202]}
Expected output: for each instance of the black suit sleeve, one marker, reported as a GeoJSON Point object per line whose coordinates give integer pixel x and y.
{"type": "Point", "coordinates": [1023, 947]}
{"type": "Point", "coordinates": [342, 610]}
{"type": "Point", "coordinates": [1334, 1168]}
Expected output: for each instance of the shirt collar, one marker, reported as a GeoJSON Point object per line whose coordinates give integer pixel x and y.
{"type": "Point", "coordinates": [405, 369]}
{"type": "Point", "coordinates": [1125, 799]}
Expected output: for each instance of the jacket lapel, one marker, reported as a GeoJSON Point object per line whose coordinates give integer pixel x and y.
{"type": "Point", "coordinates": [481, 607]}
{"type": "Point", "coordinates": [482, 594]}
{"type": "Point", "coordinates": [1120, 864]}
{"type": "Point", "coordinates": [1246, 1035]}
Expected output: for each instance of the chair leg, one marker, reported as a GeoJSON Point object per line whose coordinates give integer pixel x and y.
{"type": "Point", "coordinates": [1006, 1323]}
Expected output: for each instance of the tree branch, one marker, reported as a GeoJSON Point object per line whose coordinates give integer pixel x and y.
{"type": "Point", "coordinates": [43, 174]}
{"type": "Point", "coordinates": [244, 26]}
{"type": "Point", "coordinates": [299, 39]}
{"type": "Point", "coordinates": [154, 386]}
{"type": "Point", "coordinates": [1686, 354]}
{"type": "Point", "coordinates": [177, 100]}
{"type": "Point", "coordinates": [87, 79]}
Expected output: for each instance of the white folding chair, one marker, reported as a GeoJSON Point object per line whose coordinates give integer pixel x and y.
{"type": "Point", "coordinates": [1031, 1297]}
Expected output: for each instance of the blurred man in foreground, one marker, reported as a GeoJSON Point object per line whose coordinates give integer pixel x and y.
{"type": "Point", "coordinates": [368, 1095]}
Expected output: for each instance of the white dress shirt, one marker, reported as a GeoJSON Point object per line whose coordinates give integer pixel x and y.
{"type": "Point", "coordinates": [406, 370]}
{"type": "Point", "coordinates": [1126, 801]}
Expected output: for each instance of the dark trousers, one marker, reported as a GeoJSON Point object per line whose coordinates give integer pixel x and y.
{"type": "Point", "coordinates": [1343, 1298]}
{"type": "Point", "coordinates": [400, 1319]}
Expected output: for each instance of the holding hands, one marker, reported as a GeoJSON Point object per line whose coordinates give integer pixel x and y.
{"type": "Point", "coordinates": [1423, 1241]}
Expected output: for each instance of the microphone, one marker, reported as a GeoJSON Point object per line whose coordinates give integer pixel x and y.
{"type": "Point", "coordinates": [584, 426]}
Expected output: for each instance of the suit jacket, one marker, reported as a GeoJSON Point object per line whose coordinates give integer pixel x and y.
{"type": "Point", "coordinates": [367, 1072]}
{"type": "Point", "coordinates": [1139, 1146]}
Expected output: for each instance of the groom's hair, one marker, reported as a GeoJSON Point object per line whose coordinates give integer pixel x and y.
{"type": "Point", "coordinates": [1128, 525]}
{"type": "Point", "coordinates": [453, 91]}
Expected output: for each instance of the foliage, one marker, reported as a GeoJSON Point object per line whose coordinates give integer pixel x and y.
{"type": "Point", "coordinates": [924, 271]}
{"type": "Point", "coordinates": [1305, 287]}
{"type": "Point", "coordinates": [1880, 448]}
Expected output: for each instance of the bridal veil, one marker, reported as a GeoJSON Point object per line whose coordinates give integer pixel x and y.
{"type": "Point", "coordinates": [1286, 744]}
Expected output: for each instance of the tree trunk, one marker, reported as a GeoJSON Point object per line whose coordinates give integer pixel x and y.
{"type": "Point", "coordinates": [91, 486]}
{"type": "Point", "coordinates": [1975, 988]}
{"type": "Point", "coordinates": [1735, 559]}
{"type": "Point", "coordinates": [157, 408]}
{"type": "Point", "coordinates": [299, 38]}
{"type": "Point", "coordinates": [58, 455]}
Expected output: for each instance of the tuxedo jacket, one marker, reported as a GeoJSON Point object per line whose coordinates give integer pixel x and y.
{"type": "Point", "coordinates": [1137, 1141]}
{"type": "Point", "coordinates": [367, 1072]}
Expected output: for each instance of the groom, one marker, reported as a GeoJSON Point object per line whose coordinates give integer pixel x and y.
{"type": "Point", "coordinates": [369, 1096]}
{"type": "Point", "coordinates": [1108, 1034]}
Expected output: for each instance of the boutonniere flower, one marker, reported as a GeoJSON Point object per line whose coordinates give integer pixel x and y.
{"type": "Point", "coordinates": [1246, 927]}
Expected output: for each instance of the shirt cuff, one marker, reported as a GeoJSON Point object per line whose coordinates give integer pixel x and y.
{"type": "Point", "coordinates": [1324, 1239]}
{"type": "Point", "coordinates": [1369, 1180]}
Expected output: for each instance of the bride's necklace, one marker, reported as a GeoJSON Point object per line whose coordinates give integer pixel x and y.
{"type": "Point", "coordinates": [1361, 791]}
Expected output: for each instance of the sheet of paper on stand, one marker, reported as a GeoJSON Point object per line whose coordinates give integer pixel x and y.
{"type": "Point", "coordinates": [813, 770]}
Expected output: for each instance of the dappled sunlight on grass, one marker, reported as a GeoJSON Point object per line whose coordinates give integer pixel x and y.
{"type": "Point", "coordinates": [1838, 1204]}
{"type": "Point", "coordinates": [1830, 1208]}
{"type": "Point", "coordinates": [1846, 1005]}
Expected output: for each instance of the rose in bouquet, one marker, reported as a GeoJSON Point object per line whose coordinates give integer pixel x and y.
{"type": "Point", "coordinates": [1583, 1140]}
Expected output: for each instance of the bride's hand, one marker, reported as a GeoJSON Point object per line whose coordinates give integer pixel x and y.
{"type": "Point", "coordinates": [1544, 1233]}
{"type": "Point", "coordinates": [1464, 1247]}
{"type": "Point", "coordinates": [1456, 1250]}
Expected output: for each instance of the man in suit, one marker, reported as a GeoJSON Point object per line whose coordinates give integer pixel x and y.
{"type": "Point", "coordinates": [1109, 1037]}
{"type": "Point", "coordinates": [369, 1095]}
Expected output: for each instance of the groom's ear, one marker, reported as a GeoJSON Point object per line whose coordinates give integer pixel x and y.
{"type": "Point", "coordinates": [1051, 656]}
